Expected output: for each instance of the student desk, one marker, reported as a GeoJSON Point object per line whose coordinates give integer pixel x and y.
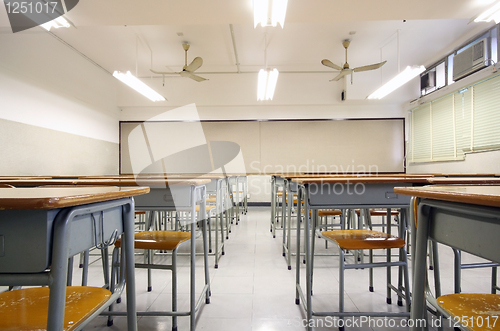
{"type": "Point", "coordinates": [290, 182]}
{"type": "Point", "coordinates": [42, 227]}
{"type": "Point", "coordinates": [344, 192]}
{"type": "Point", "coordinates": [463, 217]}
{"type": "Point", "coordinates": [164, 194]}
{"type": "Point", "coordinates": [170, 195]}
{"type": "Point", "coordinates": [215, 184]}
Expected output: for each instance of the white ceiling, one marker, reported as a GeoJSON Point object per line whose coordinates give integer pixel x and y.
{"type": "Point", "coordinates": [129, 34]}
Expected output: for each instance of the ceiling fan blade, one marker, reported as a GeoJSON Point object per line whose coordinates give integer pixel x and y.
{"type": "Point", "coordinates": [163, 72]}
{"type": "Point", "coordinates": [330, 64]}
{"type": "Point", "coordinates": [192, 76]}
{"type": "Point", "coordinates": [195, 64]}
{"type": "Point", "coordinates": [369, 67]}
{"type": "Point", "coordinates": [341, 74]}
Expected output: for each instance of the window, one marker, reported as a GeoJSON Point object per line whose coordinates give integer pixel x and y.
{"type": "Point", "coordinates": [462, 122]}
{"type": "Point", "coordinates": [441, 73]}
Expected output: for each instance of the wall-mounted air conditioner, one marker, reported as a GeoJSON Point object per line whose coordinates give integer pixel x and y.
{"type": "Point", "coordinates": [470, 59]}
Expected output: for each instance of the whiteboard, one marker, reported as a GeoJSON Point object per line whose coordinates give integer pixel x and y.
{"type": "Point", "coordinates": [279, 146]}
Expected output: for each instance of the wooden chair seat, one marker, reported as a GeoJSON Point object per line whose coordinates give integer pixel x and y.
{"type": "Point", "coordinates": [329, 212]}
{"type": "Point", "coordinates": [376, 212]}
{"type": "Point", "coordinates": [140, 212]}
{"type": "Point", "coordinates": [281, 194]}
{"type": "Point", "coordinates": [209, 208]}
{"type": "Point", "coordinates": [212, 200]}
{"type": "Point", "coordinates": [477, 307]}
{"type": "Point", "coordinates": [160, 240]}
{"type": "Point", "coordinates": [325, 212]}
{"type": "Point", "coordinates": [27, 309]}
{"type": "Point", "coordinates": [295, 200]}
{"type": "Point", "coordinates": [363, 239]}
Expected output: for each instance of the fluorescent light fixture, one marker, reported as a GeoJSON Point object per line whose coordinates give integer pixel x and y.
{"type": "Point", "coordinates": [139, 86]}
{"type": "Point", "coordinates": [267, 84]}
{"type": "Point", "coordinates": [402, 78]}
{"type": "Point", "coordinates": [490, 14]}
{"type": "Point", "coordinates": [57, 23]}
{"type": "Point", "coordinates": [269, 15]}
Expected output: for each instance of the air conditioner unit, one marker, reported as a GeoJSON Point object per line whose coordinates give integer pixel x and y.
{"type": "Point", "coordinates": [470, 59]}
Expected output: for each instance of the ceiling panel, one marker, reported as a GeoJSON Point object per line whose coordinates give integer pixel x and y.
{"type": "Point", "coordinates": [148, 34]}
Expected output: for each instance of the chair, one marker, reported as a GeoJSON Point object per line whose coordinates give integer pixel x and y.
{"type": "Point", "coordinates": [378, 213]}
{"type": "Point", "coordinates": [166, 241]}
{"type": "Point", "coordinates": [26, 309]}
{"type": "Point", "coordinates": [476, 312]}
{"type": "Point", "coordinates": [219, 248]}
{"type": "Point", "coordinates": [370, 240]}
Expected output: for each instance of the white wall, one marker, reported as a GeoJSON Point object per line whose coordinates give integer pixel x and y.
{"type": "Point", "coordinates": [46, 84]}
{"type": "Point", "coordinates": [233, 97]}
{"type": "Point", "coordinates": [474, 163]}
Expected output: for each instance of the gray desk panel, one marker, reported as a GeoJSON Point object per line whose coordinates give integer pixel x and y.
{"type": "Point", "coordinates": [112, 226]}
{"type": "Point", "coordinates": [174, 197]}
{"type": "Point", "coordinates": [27, 236]}
{"type": "Point", "coordinates": [472, 232]}
{"type": "Point", "coordinates": [33, 228]}
{"type": "Point", "coordinates": [351, 195]}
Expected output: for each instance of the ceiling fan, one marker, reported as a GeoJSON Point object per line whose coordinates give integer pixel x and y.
{"type": "Point", "coordinates": [346, 70]}
{"type": "Point", "coordinates": [187, 70]}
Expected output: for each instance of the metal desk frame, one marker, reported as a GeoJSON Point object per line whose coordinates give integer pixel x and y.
{"type": "Point", "coordinates": [332, 201]}
{"type": "Point", "coordinates": [435, 219]}
{"type": "Point", "coordinates": [197, 193]}
{"type": "Point", "coordinates": [61, 250]}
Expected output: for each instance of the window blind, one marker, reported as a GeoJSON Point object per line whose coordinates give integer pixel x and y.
{"type": "Point", "coordinates": [486, 121]}
{"type": "Point", "coordinates": [443, 137]}
{"type": "Point", "coordinates": [465, 121]}
{"type": "Point", "coordinates": [421, 124]}
{"type": "Point", "coordinates": [463, 108]}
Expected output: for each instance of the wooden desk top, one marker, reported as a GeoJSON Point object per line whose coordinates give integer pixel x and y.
{"type": "Point", "coordinates": [59, 197]}
{"type": "Point", "coordinates": [194, 176]}
{"type": "Point", "coordinates": [466, 175]}
{"type": "Point", "coordinates": [464, 180]}
{"type": "Point", "coordinates": [23, 177]}
{"type": "Point", "coordinates": [485, 195]}
{"type": "Point", "coordinates": [158, 182]}
{"type": "Point", "coordinates": [161, 182]}
{"type": "Point", "coordinates": [295, 175]}
{"type": "Point", "coordinates": [364, 180]}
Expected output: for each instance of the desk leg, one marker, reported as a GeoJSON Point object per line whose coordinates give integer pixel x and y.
{"type": "Point", "coordinates": [273, 206]}
{"type": "Point", "coordinates": [413, 231]}
{"type": "Point", "coordinates": [128, 217]}
{"type": "Point", "coordinates": [59, 270]}
{"type": "Point", "coordinates": [388, 258]}
{"type": "Point", "coordinates": [288, 233]}
{"type": "Point", "coordinates": [297, 265]}
{"type": "Point", "coordinates": [237, 199]}
{"type": "Point", "coordinates": [418, 307]}
{"type": "Point", "coordinates": [192, 294]}
{"type": "Point", "coordinates": [283, 214]}
{"type": "Point", "coordinates": [307, 249]}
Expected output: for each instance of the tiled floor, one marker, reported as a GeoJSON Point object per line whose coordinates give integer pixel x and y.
{"type": "Point", "coordinates": [253, 290]}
